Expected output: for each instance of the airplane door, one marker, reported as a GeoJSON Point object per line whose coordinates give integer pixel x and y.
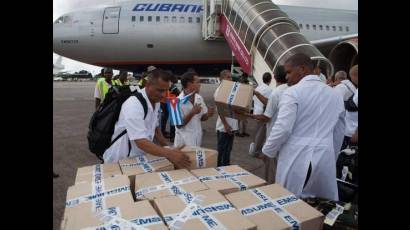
{"type": "Point", "coordinates": [111, 20]}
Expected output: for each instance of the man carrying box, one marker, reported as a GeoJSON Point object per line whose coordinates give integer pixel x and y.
{"type": "Point", "coordinates": [225, 128]}
{"type": "Point", "coordinates": [139, 130]}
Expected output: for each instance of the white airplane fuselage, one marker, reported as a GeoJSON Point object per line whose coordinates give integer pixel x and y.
{"type": "Point", "coordinates": [131, 35]}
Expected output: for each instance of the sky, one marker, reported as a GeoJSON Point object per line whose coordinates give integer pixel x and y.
{"type": "Point", "coordinates": [64, 6]}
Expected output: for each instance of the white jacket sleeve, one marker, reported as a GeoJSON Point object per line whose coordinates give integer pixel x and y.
{"type": "Point", "coordinates": [283, 126]}
{"type": "Point", "coordinates": [338, 133]}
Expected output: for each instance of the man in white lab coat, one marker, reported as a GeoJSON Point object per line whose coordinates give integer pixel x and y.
{"type": "Point", "coordinates": [194, 111]}
{"type": "Point", "coordinates": [307, 133]}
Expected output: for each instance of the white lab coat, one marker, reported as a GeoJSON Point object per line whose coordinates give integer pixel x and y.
{"type": "Point", "coordinates": [309, 128]}
{"type": "Point", "coordinates": [191, 133]}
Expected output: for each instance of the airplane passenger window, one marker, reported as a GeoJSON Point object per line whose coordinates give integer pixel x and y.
{"type": "Point", "coordinates": [340, 28]}
{"type": "Point", "coordinates": [133, 18]}
{"type": "Point", "coordinates": [347, 28]}
{"type": "Point", "coordinates": [149, 18]}
{"type": "Point", "coordinates": [141, 18]}
{"type": "Point", "coordinates": [198, 20]}
{"type": "Point", "coordinates": [327, 28]}
{"type": "Point", "coordinates": [300, 26]}
{"type": "Point", "coordinates": [314, 27]}
{"type": "Point", "coordinates": [334, 28]}
{"type": "Point", "coordinates": [181, 19]}
{"type": "Point", "coordinates": [166, 19]}
{"type": "Point", "coordinates": [174, 19]}
{"type": "Point", "coordinates": [307, 26]}
{"type": "Point", "coordinates": [190, 19]}
{"type": "Point", "coordinates": [158, 18]}
{"type": "Point", "coordinates": [320, 27]}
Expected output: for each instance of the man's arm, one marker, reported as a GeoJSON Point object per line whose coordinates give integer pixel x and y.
{"type": "Point", "coordinates": [209, 114]}
{"type": "Point", "coordinates": [283, 125]}
{"type": "Point", "coordinates": [261, 117]}
{"type": "Point", "coordinates": [97, 103]}
{"type": "Point", "coordinates": [160, 138]}
{"type": "Point", "coordinates": [176, 156]}
{"type": "Point", "coordinates": [338, 133]}
{"type": "Point", "coordinates": [195, 110]}
{"type": "Point", "coordinates": [263, 99]}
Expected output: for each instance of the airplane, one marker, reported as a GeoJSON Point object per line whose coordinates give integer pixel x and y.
{"type": "Point", "coordinates": [57, 67]}
{"type": "Point", "coordinates": [132, 35]}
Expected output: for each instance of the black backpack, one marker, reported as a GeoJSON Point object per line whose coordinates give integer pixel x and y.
{"type": "Point", "coordinates": [102, 122]}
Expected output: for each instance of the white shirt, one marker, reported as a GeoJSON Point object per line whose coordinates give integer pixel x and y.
{"type": "Point", "coordinates": [322, 77]}
{"type": "Point", "coordinates": [265, 90]}
{"type": "Point", "coordinates": [272, 108]}
{"type": "Point", "coordinates": [132, 118]}
{"type": "Point", "coordinates": [309, 128]}
{"type": "Point", "coordinates": [231, 122]}
{"type": "Point", "coordinates": [346, 89]}
{"type": "Point", "coordinates": [191, 133]}
{"type": "Point", "coordinates": [352, 119]}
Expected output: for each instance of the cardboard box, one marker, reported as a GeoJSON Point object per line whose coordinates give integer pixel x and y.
{"type": "Point", "coordinates": [201, 157]}
{"type": "Point", "coordinates": [233, 98]}
{"type": "Point", "coordinates": [143, 164]}
{"type": "Point", "coordinates": [141, 214]}
{"type": "Point", "coordinates": [87, 174]}
{"type": "Point", "coordinates": [228, 179]}
{"type": "Point", "coordinates": [101, 194]}
{"type": "Point", "coordinates": [162, 184]}
{"type": "Point", "coordinates": [213, 211]}
{"type": "Point", "coordinates": [273, 207]}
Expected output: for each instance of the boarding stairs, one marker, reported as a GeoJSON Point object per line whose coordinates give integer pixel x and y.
{"type": "Point", "coordinates": [260, 35]}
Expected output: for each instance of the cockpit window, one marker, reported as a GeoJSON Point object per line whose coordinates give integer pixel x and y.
{"type": "Point", "coordinates": [63, 19]}
{"type": "Point", "coordinates": [59, 20]}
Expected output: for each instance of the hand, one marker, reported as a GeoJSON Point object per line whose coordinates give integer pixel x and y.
{"type": "Point", "coordinates": [196, 109]}
{"type": "Point", "coordinates": [228, 129]}
{"type": "Point", "coordinates": [211, 111]}
{"type": "Point", "coordinates": [263, 157]}
{"type": "Point", "coordinates": [179, 158]}
{"type": "Point", "coordinates": [255, 92]}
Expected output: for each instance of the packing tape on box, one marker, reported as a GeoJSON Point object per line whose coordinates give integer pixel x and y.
{"type": "Point", "coordinates": [144, 162]}
{"type": "Point", "coordinates": [210, 210]}
{"type": "Point", "coordinates": [331, 217]}
{"type": "Point", "coordinates": [97, 196]}
{"type": "Point", "coordinates": [232, 96]}
{"type": "Point", "coordinates": [195, 210]}
{"type": "Point", "coordinates": [275, 205]}
{"type": "Point", "coordinates": [168, 183]}
{"type": "Point", "coordinates": [200, 158]}
{"type": "Point", "coordinates": [113, 220]}
{"type": "Point", "coordinates": [231, 177]}
{"type": "Point", "coordinates": [97, 185]}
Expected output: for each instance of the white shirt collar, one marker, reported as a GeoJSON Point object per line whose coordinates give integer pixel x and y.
{"type": "Point", "coordinates": [310, 77]}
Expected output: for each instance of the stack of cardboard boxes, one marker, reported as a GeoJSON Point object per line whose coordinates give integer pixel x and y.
{"type": "Point", "coordinates": [204, 198]}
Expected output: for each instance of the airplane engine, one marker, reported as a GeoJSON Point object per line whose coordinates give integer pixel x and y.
{"type": "Point", "coordinates": [345, 55]}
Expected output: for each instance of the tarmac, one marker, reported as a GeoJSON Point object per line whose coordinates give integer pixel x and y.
{"type": "Point", "coordinates": [73, 105]}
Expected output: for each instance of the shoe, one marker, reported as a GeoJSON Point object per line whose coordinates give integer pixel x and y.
{"type": "Point", "coordinates": [55, 175]}
{"type": "Point", "coordinates": [252, 149]}
{"type": "Point", "coordinates": [246, 134]}
{"type": "Point", "coordinates": [239, 135]}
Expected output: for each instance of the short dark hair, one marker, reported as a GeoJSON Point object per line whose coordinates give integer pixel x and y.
{"type": "Point", "coordinates": [300, 59]}
{"type": "Point", "coordinates": [187, 77]}
{"type": "Point", "coordinates": [267, 77]}
{"type": "Point", "coordinates": [280, 74]}
{"type": "Point", "coordinates": [159, 74]}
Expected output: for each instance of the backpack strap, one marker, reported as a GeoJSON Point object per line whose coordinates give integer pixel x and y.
{"type": "Point", "coordinates": [141, 98]}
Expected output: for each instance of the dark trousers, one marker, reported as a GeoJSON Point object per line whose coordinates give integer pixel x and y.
{"type": "Point", "coordinates": [172, 133]}
{"type": "Point", "coordinates": [225, 142]}
{"type": "Point", "coordinates": [164, 117]}
{"type": "Point", "coordinates": [346, 142]}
